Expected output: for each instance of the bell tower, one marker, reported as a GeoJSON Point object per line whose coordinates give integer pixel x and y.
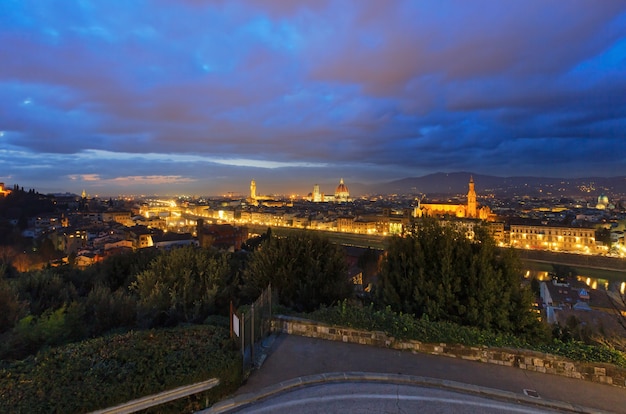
{"type": "Point", "coordinates": [253, 190]}
{"type": "Point", "coordinates": [471, 199]}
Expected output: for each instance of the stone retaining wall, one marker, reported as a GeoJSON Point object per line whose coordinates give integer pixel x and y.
{"type": "Point", "coordinates": [524, 359]}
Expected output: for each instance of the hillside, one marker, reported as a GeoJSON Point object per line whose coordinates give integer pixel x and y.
{"type": "Point", "coordinates": [456, 183]}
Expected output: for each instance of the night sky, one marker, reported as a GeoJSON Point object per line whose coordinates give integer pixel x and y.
{"type": "Point", "coordinates": [200, 97]}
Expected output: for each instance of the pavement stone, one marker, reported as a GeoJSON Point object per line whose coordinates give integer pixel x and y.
{"type": "Point", "coordinates": [287, 362]}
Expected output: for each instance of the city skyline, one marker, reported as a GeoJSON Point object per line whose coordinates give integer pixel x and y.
{"type": "Point", "coordinates": [200, 97]}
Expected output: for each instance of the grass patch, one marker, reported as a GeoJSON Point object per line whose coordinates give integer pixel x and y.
{"type": "Point", "coordinates": [111, 370]}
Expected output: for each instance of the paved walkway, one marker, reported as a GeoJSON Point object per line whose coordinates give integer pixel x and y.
{"type": "Point", "coordinates": [294, 360]}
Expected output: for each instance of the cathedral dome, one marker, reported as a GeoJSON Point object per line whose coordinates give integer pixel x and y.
{"type": "Point", "coordinates": [603, 199]}
{"type": "Point", "coordinates": [342, 190]}
{"type": "Point", "coordinates": [603, 202]}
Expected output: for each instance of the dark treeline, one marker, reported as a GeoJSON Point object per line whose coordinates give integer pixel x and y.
{"type": "Point", "coordinates": [433, 272]}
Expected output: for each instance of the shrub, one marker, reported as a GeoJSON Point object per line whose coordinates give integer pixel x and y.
{"type": "Point", "coordinates": [110, 370]}
{"type": "Point", "coordinates": [405, 326]}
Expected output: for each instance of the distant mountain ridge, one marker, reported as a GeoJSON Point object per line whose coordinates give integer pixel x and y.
{"type": "Point", "coordinates": [457, 183]}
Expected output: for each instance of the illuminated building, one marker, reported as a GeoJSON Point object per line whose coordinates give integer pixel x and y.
{"type": "Point", "coordinates": [356, 225]}
{"type": "Point", "coordinates": [140, 236]}
{"type": "Point", "coordinates": [386, 223]}
{"type": "Point", "coordinates": [222, 236]}
{"type": "Point", "coordinates": [255, 198]}
{"type": "Point", "coordinates": [342, 194]}
{"type": "Point", "coordinates": [471, 200]}
{"type": "Point", "coordinates": [317, 195]}
{"type": "Point", "coordinates": [496, 229]}
{"type": "Point", "coordinates": [556, 238]}
{"type": "Point", "coordinates": [603, 203]}
{"type": "Point", "coordinates": [469, 210]}
{"type": "Point", "coordinates": [4, 191]}
{"type": "Point", "coordinates": [122, 217]}
{"type": "Point", "coordinates": [253, 190]}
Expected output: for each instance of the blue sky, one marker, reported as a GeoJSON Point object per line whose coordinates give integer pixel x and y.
{"type": "Point", "coordinates": [199, 97]}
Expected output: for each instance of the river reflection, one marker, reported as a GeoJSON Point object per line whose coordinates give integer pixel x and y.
{"type": "Point", "coordinates": [592, 282]}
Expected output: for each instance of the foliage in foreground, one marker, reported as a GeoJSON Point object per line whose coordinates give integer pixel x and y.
{"type": "Point", "coordinates": [437, 271]}
{"type": "Point", "coordinates": [405, 326]}
{"type": "Point", "coordinates": [306, 270]}
{"type": "Point", "coordinates": [181, 285]}
{"type": "Point", "coordinates": [110, 370]}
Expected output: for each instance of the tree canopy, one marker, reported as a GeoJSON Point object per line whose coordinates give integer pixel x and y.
{"type": "Point", "coordinates": [182, 285]}
{"type": "Point", "coordinates": [306, 269]}
{"type": "Point", "coordinates": [436, 271]}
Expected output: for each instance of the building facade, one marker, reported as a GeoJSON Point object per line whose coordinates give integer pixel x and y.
{"type": "Point", "coordinates": [342, 194]}
{"type": "Point", "coordinates": [469, 210]}
{"type": "Point", "coordinates": [556, 238]}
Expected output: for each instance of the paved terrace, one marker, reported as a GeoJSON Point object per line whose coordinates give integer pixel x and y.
{"type": "Point", "coordinates": [293, 361]}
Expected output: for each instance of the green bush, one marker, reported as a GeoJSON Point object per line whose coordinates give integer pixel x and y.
{"type": "Point", "coordinates": [180, 286]}
{"type": "Point", "coordinates": [110, 370]}
{"type": "Point", "coordinates": [436, 270]}
{"type": "Point", "coordinates": [579, 351]}
{"type": "Point", "coordinates": [52, 328]}
{"type": "Point", "coordinates": [405, 326]}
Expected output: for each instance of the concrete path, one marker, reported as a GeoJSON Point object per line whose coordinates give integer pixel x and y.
{"type": "Point", "coordinates": [290, 359]}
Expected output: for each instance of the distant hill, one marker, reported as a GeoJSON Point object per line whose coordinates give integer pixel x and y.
{"type": "Point", "coordinates": [456, 183]}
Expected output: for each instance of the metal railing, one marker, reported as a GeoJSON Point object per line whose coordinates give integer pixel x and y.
{"type": "Point", "coordinates": [252, 326]}
{"type": "Point", "coordinates": [161, 398]}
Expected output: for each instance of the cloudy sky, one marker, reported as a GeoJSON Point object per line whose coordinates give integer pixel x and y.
{"type": "Point", "coordinates": [201, 96]}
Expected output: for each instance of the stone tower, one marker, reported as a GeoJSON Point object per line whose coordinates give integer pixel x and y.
{"type": "Point", "coordinates": [253, 190]}
{"type": "Point", "coordinates": [317, 195]}
{"type": "Point", "coordinates": [471, 199]}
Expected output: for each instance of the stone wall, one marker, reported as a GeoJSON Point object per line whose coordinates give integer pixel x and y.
{"type": "Point", "coordinates": [524, 359]}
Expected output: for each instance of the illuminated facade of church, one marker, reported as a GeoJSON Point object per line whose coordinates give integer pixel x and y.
{"type": "Point", "coordinates": [469, 210]}
{"type": "Point", "coordinates": [341, 195]}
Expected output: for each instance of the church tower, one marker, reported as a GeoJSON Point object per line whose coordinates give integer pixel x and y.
{"type": "Point", "coordinates": [471, 199]}
{"type": "Point", "coordinates": [253, 190]}
{"type": "Point", "coordinates": [317, 195]}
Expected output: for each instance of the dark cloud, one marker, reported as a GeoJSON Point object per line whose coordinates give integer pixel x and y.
{"type": "Point", "coordinates": [364, 90]}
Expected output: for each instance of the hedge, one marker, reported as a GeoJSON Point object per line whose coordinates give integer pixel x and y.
{"type": "Point", "coordinates": [107, 371]}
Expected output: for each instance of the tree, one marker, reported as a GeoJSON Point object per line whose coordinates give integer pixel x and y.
{"type": "Point", "coordinates": [563, 272]}
{"type": "Point", "coordinates": [106, 310]}
{"type": "Point", "coordinates": [617, 298]}
{"type": "Point", "coordinates": [45, 290]}
{"type": "Point", "coordinates": [368, 263]}
{"type": "Point", "coordinates": [7, 254]}
{"type": "Point", "coordinates": [181, 285]}
{"type": "Point", "coordinates": [603, 235]}
{"type": "Point", "coordinates": [254, 242]}
{"type": "Point", "coordinates": [120, 270]}
{"type": "Point", "coordinates": [11, 309]}
{"type": "Point", "coordinates": [305, 268]}
{"type": "Point", "coordinates": [436, 270]}
{"type": "Point", "coordinates": [52, 328]}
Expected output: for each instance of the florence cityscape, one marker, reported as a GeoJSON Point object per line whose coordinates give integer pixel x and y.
{"type": "Point", "coordinates": [223, 206]}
